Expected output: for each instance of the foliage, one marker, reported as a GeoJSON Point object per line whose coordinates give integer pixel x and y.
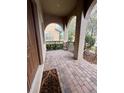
{"type": "Point", "coordinates": [91, 31]}
{"type": "Point", "coordinates": [70, 38]}
{"type": "Point", "coordinates": [89, 41]}
{"type": "Point", "coordinates": [92, 23]}
{"type": "Point", "coordinates": [71, 29]}
{"type": "Point", "coordinates": [54, 46]}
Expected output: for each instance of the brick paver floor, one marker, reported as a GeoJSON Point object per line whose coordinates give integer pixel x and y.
{"type": "Point", "coordinates": [74, 76]}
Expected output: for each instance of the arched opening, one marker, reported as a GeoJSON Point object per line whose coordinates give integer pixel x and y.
{"type": "Point", "coordinates": [90, 47]}
{"type": "Point", "coordinates": [54, 32]}
{"type": "Point", "coordinates": [54, 36]}
{"type": "Point", "coordinates": [71, 27]}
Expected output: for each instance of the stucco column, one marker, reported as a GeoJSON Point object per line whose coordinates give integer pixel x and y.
{"type": "Point", "coordinates": [40, 27]}
{"type": "Point", "coordinates": [65, 37]}
{"type": "Point", "coordinates": [79, 38]}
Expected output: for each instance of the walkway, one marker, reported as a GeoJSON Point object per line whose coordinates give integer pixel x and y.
{"type": "Point", "coordinates": [75, 76]}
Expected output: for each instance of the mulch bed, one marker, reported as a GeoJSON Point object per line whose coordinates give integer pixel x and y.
{"type": "Point", "coordinates": [90, 57]}
{"type": "Point", "coordinates": [50, 82]}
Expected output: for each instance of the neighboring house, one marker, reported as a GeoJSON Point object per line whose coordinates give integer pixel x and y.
{"type": "Point", "coordinates": [52, 33]}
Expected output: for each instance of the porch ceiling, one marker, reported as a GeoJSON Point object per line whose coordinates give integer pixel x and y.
{"type": "Point", "coordinates": [58, 7]}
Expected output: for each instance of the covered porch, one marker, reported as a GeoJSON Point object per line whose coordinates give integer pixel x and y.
{"type": "Point", "coordinates": [74, 73]}
{"type": "Point", "coordinates": [74, 76]}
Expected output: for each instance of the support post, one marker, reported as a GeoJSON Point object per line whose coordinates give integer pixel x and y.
{"type": "Point", "coordinates": [65, 37]}
{"type": "Point", "coordinates": [79, 37]}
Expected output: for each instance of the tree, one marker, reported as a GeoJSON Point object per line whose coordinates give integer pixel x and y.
{"type": "Point", "coordinates": [71, 29]}
{"type": "Point", "coordinates": [91, 30]}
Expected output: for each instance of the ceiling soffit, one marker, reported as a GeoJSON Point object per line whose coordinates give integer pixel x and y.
{"type": "Point", "coordinates": [58, 7]}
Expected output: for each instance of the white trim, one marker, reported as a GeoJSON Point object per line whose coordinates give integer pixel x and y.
{"type": "Point", "coordinates": [35, 87]}
{"type": "Point", "coordinates": [88, 13]}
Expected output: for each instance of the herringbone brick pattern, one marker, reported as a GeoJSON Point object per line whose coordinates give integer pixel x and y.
{"type": "Point", "coordinates": [75, 76]}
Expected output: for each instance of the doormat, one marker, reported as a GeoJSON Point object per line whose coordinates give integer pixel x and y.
{"type": "Point", "coordinates": [50, 82]}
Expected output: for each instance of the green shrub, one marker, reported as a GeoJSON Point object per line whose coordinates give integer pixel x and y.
{"type": "Point", "coordinates": [54, 46]}
{"type": "Point", "coordinates": [89, 41]}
